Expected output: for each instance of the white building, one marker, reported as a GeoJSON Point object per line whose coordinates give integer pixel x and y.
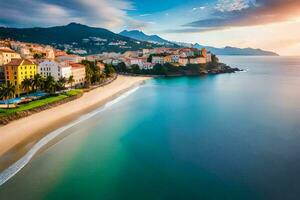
{"type": "Point", "coordinates": [147, 65]}
{"type": "Point", "coordinates": [158, 60]}
{"type": "Point", "coordinates": [55, 69]}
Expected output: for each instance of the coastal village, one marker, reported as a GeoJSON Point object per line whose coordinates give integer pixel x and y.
{"type": "Point", "coordinates": [30, 72]}
{"type": "Point", "coordinates": [20, 61]}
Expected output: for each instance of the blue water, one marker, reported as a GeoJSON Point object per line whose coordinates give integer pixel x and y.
{"type": "Point", "coordinates": [230, 136]}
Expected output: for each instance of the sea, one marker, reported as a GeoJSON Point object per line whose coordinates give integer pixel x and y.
{"type": "Point", "coordinates": [229, 136]}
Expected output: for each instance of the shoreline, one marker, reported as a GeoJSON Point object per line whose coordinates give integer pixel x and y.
{"type": "Point", "coordinates": [18, 137]}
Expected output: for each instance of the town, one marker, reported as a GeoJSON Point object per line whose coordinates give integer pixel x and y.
{"type": "Point", "coordinates": [29, 71]}
{"type": "Point", "coordinates": [20, 61]}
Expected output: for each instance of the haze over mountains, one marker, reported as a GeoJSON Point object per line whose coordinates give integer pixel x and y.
{"type": "Point", "coordinates": [139, 35]}
{"type": "Point", "coordinates": [83, 39]}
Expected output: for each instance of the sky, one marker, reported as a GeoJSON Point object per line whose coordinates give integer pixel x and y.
{"type": "Point", "coordinates": [268, 24]}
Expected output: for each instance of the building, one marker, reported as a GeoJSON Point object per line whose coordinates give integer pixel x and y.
{"type": "Point", "coordinates": [208, 57]}
{"type": "Point", "coordinates": [70, 58]}
{"type": "Point", "coordinates": [6, 55]}
{"type": "Point", "coordinates": [197, 60]}
{"type": "Point", "coordinates": [183, 61]}
{"type": "Point", "coordinates": [147, 66]}
{"type": "Point", "coordinates": [54, 69]}
{"type": "Point", "coordinates": [19, 69]}
{"type": "Point", "coordinates": [168, 59]}
{"type": "Point", "coordinates": [78, 72]}
{"type": "Point", "coordinates": [158, 60]}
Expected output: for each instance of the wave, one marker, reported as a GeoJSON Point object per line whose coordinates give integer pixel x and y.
{"type": "Point", "coordinates": [22, 162]}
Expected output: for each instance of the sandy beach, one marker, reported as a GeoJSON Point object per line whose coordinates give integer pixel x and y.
{"type": "Point", "coordinates": [21, 134]}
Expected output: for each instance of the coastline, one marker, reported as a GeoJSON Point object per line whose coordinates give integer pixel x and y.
{"type": "Point", "coordinates": [19, 136]}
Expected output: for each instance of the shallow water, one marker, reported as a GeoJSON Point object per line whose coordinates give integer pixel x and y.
{"type": "Point", "coordinates": [230, 136]}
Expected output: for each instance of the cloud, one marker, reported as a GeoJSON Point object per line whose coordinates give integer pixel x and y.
{"type": "Point", "coordinates": [232, 5]}
{"type": "Point", "coordinates": [103, 13]}
{"type": "Point", "coordinates": [240, 13]}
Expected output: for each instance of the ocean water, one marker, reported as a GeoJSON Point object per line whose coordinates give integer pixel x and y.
{"type": "Point", "coordinates": [229, 136]}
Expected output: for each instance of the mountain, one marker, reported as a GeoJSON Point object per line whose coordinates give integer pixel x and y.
{"type": "Point", "coordinates": [236, 51]}
{"type": "Point", "coordinates": [139, 35]}
{"type": "Point", "coordinates": [76, 37]}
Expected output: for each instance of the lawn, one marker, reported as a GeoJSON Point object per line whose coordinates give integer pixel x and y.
{"type": "Point", "coordinates": [39, 103]}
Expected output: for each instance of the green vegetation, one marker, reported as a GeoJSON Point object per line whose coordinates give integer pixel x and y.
{"type": "Point", "coordinates": [169, 69]}
{"type": "Point", "coordinates": [39, 103]}
{"type": "Point", "coordinates": [93, 73]}
{"type": "Point", "coordinates": [7, 91]}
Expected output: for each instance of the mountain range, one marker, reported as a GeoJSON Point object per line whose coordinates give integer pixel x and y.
{"type": "Point", "coordinates": [76, 36]}
{"type": "Point", "coordinates": [80, 38]}
{"type": "Point", "coordinates": [139, 35]}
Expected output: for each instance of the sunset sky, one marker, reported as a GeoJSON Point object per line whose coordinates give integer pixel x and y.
{"type": "Point", "coordinates": [267, 24]}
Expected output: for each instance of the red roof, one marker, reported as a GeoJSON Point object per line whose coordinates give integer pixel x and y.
{"type": "Point", "coordinates": [19, 61]}
{"type": "Point", "coordinates": [7, 51]}
{"type": "Point", "coordinates": [77, 65]}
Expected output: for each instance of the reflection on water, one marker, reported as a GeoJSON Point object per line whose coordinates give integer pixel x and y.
{"type": "Point", "coordinates": [231, 136]}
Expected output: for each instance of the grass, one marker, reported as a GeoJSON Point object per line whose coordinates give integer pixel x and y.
{"type": "Point", "coordinates": [39, 103]}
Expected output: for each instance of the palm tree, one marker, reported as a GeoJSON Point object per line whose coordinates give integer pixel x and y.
{"type": "Point", "coordinates": [50, 85]}
{"type": "Point", "coordinates": [1, 90]}
{"type": "Point", "coordinates": [37, 82]}
{"type": "Point", "coordinates": [9, 92]}
{"type": "Point", "coordinates": [61, 83]}
{"type": "Point", "coordinates": [71, 80]}
{"type": "Point", "coordinates": [26, 84]}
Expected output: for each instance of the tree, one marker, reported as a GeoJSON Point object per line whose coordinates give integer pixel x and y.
{"type": "Point", "coordinates": [61, 83]}
{"type": "Point", "coordinates": [135, 69]}
{"type": "Point", "coordinates": [26, 85]}
{"type": "Point", "coordinates": [71, 80]}
{"type": "Point", "coordinates": [149, 59]}
{"type": "Point", "coordinates": [38, 56]}
{"type": "Point", "coordinates": [37, 82]}
{"type": "Point", "coordinates": [121, 67]}
{"type": "Point", "coordinates": [1, 90]}
{"type": "Point", "coordinates": [9, 91]}
{"type": "Point", "coordinates": [109, 70]}
{"type": "Point", "coordinates": [50, 85]}
{"type": "Point", "coordinates": [214, 60]}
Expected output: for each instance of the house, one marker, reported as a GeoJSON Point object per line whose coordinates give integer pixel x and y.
{"type": "Point", "coordinates": [19, 69]}
{"type": "Point", "coordinates": [134, 61]}
{"type": "Point", "coordinates": [168, 59]}
{"type": "Point", "coordinates": [78, 73]}
{"type": "Point", "coordinates": [208, 57]}
{"type": "Point", "coordinates": [183, 61]}
{"type": "Point", "coordinates": [147, 66]}
{"type": "Point", "coordinates": [6, 55]}
{"type": "Point", "coordinates": [71, 58]}
{"type": "Point", "coordinates": [158, 59]}
{"type": "Point", "coordinates": [55, 69]}
{"type": "Point", "coordinates": [197, 60]}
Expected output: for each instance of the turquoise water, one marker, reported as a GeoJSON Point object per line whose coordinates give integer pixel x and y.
{"type": "Point", "coordinates": [230, 136]}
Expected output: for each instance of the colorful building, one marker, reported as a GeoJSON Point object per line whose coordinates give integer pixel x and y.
{"type": "Point", "coordinates": [55, 69]}
{"type": "Point", "coordinates": [78, 72]}
{"type": "Point", "coordinates": [19, 69]}
{"type": "Point", "coordinates": [6, 55]}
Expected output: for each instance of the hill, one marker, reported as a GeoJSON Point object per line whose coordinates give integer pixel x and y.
{"type": "Point", "coordinates": [139, 35]}
{"type": "Point", "coordinates": [76, 37]}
